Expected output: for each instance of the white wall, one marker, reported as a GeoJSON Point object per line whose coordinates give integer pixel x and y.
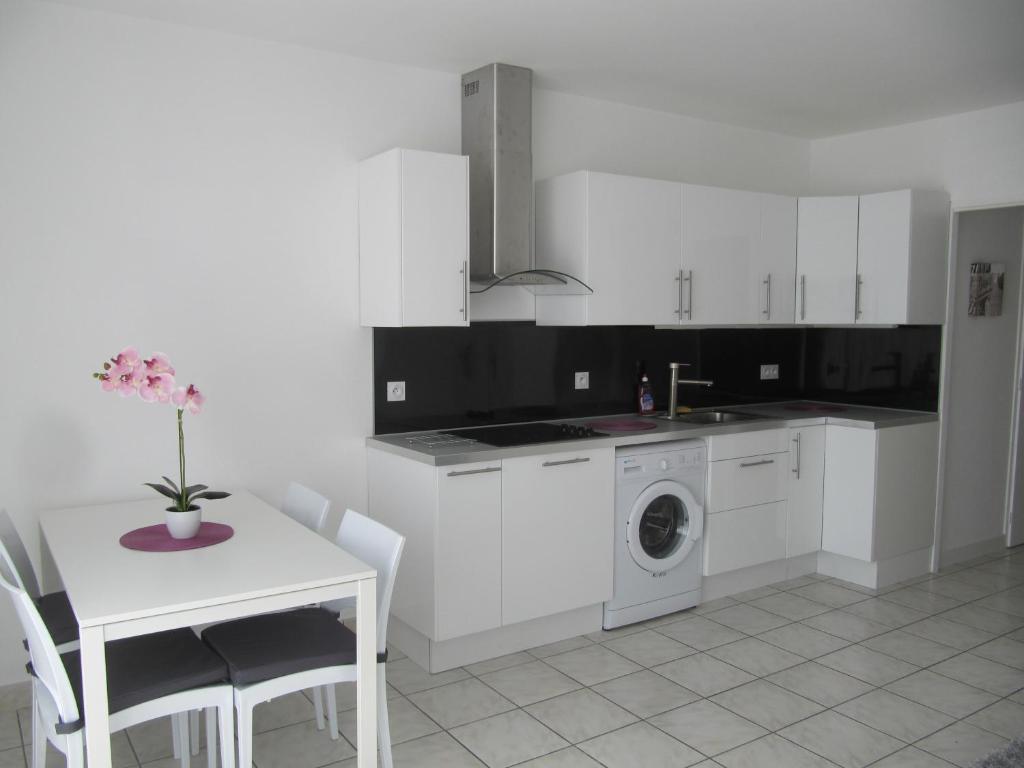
{"type": "Point", "coordinates": [980, 391]}
{"type": "Point", "coordinates": [978, 157]}
{"type": "Point", "coordinates": [194, 193]}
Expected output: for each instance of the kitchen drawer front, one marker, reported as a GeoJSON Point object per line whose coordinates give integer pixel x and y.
{"type": "Point", "coordinates": [740, 538]}
{"type": "Point", "coordinates": [735, 483]}
{"type": "Point", "coordinates": [741, 444]}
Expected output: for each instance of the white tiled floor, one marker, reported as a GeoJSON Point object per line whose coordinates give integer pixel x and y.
{"type": "Point", "coordinates": [808, 672]}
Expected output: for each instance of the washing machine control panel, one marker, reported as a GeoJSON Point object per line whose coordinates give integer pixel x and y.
{"type": "Point", "coordinates": [664, 463]}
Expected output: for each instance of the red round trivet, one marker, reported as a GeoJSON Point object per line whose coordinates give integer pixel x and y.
{"type": "Point", "coordinates": [622, 425]}
{"type": "Point", "coordinates": [155, 538]}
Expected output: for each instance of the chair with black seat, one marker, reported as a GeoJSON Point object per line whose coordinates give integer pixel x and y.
{"type": "Point", "coordinates": [306, 506]}
{"type": "Point", "coordinates": [54, 607]}
{"type": "Point", "coordinates": [151, 676]}
{"type": "Point", "coordinates": [279, 653]}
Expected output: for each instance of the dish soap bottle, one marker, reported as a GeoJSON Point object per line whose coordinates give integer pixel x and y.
{"type": "Point", "coordinates": [645, 398]}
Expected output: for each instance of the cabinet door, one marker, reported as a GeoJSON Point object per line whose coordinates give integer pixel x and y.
{"type": "Point", "coordinates": [775, 279]}
{"type": "Point", "coordinates": [739, 538]}
{"type": "Point", "coordinates": [633, 244]}
{"type": "Point", "coordinates": [848, 512]}
{"type": "Point", "coordinates": [556, 532]}
{"type": "Point", "coordinates": [883, 257]}
{"type": "Point", "coordinates": [435, 239]}
{"type": "Point", "coordinates": [747, 481]}
{"type": "Point", "coordinates": [721, 235]}
{"type": "Point", "coordinates": [806, 490]}
{"type": "Point", "coordinates": [468, 548]}
{"type": "Point", "coordinates": [826, 258]}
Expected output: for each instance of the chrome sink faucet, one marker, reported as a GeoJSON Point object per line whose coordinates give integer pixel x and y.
{"type": "Point", "coordinates": [673, 387]}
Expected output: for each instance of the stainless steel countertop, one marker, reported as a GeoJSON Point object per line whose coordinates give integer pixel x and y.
{"type": "Point", "coordinates": [776, 416]}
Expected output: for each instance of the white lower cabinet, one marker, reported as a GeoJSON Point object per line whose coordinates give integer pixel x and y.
{"type": "Point", "coordinates": [745, 508]}
{"type": "Point", "coordinates": [468, 545]}
{"type": "Point", "coordinates": [806, 490]}
{"type": "Point", "coordinates": [556, 532]}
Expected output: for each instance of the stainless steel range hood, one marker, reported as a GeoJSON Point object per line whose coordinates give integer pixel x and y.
{"type": "Point", "coordinates": [497, 127]}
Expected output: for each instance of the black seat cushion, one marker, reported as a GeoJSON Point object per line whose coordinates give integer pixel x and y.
{"type": "Point", "coordinates": [150, 666]}
{"type": "Point", "coordinates": [58, 616]}
{"type": "Point", "coordinates": [277, 644]}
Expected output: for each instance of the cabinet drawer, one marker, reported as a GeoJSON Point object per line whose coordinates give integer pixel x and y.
{"type": "Point", "coordinates": [747, 444]}
{"type": "Point", "coordinates": [735, 483]}
{"type": "Point", "coordinates": [739, 538]}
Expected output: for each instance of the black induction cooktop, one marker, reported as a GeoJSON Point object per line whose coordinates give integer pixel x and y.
{"type": "Point", "coordinates": [506, 435]}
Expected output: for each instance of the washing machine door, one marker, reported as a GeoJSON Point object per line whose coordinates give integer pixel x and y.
{"type": "Point", "coordinates": [664, 525]}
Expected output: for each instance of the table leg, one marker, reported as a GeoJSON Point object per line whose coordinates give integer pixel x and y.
{"type": "Point", "coordinates": [366, 671]}
{"type": "Point", "coordinates": [94, 691]}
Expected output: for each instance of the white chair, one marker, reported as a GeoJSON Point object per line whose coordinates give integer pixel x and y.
{"type": "Point", "coordinates": [280, 653]}
{"type": "Point", "coordinates": [151, 676]}
{"type": "Point", "coordinates": [306, 506]}
{"type": "Point", "coordinates": [54, 608]}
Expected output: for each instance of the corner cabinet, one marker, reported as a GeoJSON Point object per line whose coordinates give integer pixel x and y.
{"type": "Point", "coordinates": [806, 489]}
{"type": "Point", "coordinates": [414, 239]}
{"type": "Point", "coordinates": [876, 259]}
{"type": "Point", "coordinates": [620, 235]}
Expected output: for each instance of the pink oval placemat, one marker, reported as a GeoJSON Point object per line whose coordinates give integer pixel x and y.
{"type": "Point", "coordinates": [622, 425]}
{"type": "Point", "coordinates": [155, 538]}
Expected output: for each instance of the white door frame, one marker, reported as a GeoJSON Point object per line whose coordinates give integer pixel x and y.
{"type": "Point", "coordinates": [946, 373]}
{"type": "Point", "coordinates": [1012, 489]}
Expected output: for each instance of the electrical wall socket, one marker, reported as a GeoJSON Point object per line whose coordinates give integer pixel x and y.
{"type": "Point", "coordinates": [770, 372]}
{"type": "Point", "coordinates": [582, 379]}
{"type": "Point", "coordinates": [396, 391]}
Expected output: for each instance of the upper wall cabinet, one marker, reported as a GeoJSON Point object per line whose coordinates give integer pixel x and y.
{"type": "Point", "coordinates": [776, 263]}
{"type": "Point", "coordinates": [414, 239]}
{"type": "Point", "coordinates": [826, 263]}
{"type": "Point", "coordinates": [618, 234]}
{"type": "Point", "coordinates": [878, 259]}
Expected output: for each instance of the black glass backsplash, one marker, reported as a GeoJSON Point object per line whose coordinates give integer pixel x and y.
{"type": "Point", "coordinates": [493, 373]}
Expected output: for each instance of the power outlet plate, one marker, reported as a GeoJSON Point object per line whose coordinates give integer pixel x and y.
{"type": "Point", "coordinates": [396, 391]}
{"type": "Point", "coordinates": [770, 372]}
{"type": "Point", "coordinates": [582, 379]}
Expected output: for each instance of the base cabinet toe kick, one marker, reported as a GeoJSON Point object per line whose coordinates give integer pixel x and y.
{"type": "Point", "coordinates": [500, 555]}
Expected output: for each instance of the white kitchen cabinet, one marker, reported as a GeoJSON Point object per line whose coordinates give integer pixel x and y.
{"type": "Point", "coordinates": [902, 257]}
{"type": "Point", "coordinates": [745, 505]}
{"type": "Point", "coordinates": [720, 256]}
{"type": "Point", "coordinates": [774, 281]}
{"type": "Point", "coordinates": [449, 583]}
{"type": "Point", "coordinates": [806, 490]}
{"type": "Point", "coordinates": [621, 236]}
{"type": "Point", "coordinates": [414, 239]}
{"type": "Point", "coordinates": [879, 492]}
{"type": "Point", "coordinates": [556, 533]}
{"type": "Point", "coordinates": [826, 259]}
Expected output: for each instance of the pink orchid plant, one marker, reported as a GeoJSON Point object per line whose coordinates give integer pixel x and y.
{"type": "Point", "coordinates": [153, 381]}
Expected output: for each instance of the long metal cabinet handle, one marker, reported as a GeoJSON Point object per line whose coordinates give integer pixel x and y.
{"type": "Point", "coordinates": [768, 296]}
{"type": "Point", "coordinates": [465, 288]}
{"type": "Point", "coordinates": [796, 468]}
{"type": "Point", "coordinates": [565, 461]}
{"type": "Point", "coordinates": [688, 279]}
{"type": "Point", "coordinates": [462, 472]}
{"type": "Point", "coordinates": [856, 296]}
{"type": "Point", "coordinates": [679, 294]}
{"type": "Point", "coordinates": [803, 297]}
{"type": "Point", "coordinates": [758, 463]}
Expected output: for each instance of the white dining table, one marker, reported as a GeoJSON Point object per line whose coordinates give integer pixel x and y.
{"type": "Point", "coordinates": [271, 563]}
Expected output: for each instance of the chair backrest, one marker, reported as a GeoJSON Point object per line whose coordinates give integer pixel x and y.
{"type": "Point", "coordinates": [377, 546]}
{"type": "Point", "coordinates": [46, 663]}
{"type": "Point", "coordinates": [17, 555]}
{"type": "Point", "coordinates": [306, 506]}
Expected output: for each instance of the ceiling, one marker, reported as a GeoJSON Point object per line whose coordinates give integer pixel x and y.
{"type": "Point", "coordinates": [807, 68]}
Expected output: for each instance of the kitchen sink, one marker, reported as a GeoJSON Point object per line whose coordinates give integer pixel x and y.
{"type": "Point", "coordinates": [712, 417]}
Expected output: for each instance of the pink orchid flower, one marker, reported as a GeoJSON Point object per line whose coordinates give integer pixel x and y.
{"type": "Point", "coordinates": [158, 363]}
{"type": "Point", "coordinates": [190, 399]}
{"type": "Point", "coordinates": [123, 373]}
{"type": "Point", "coordinates": [157, 388]}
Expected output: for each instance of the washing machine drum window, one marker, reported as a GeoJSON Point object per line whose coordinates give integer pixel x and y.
{"type": "Point", "coordinates": [663, 526]}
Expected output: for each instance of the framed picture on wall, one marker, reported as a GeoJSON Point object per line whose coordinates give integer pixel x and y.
{"type": "Point", "coordinates": [985, 297]}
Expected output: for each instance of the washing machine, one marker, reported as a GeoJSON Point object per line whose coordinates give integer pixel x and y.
{"type": "Point", "coordinates": [659, 520]}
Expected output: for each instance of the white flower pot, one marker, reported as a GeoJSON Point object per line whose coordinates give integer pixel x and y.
{"type": "Point", "coordinates": [184, 525]}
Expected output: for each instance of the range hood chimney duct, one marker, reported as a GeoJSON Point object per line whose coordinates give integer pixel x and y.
{"type": "Point", "coordinates": [497, 128]}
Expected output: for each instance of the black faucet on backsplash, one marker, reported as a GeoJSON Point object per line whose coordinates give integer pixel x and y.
{"type": "Point", "coordinates": [497, 373]}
